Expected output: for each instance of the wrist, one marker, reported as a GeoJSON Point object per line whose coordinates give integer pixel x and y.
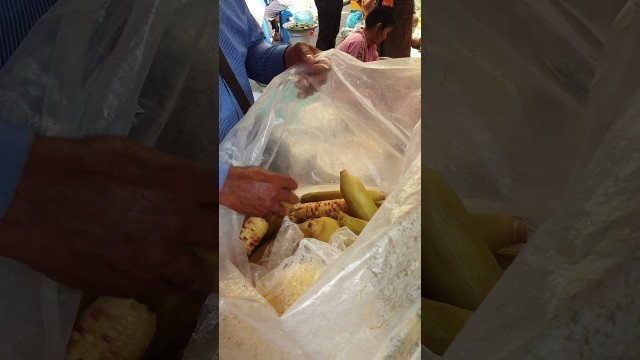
{"type": "Point", "coordinates": [284, 57]}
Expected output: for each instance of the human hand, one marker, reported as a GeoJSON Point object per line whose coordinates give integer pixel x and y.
{"type": "Point", "coordinates": [110, 217]}
{"type": "Point", "coordinates": [313, 72]}
{"type": "Point", "coordinates": [253, 191]}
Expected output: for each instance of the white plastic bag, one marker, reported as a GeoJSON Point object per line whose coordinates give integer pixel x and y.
{"type": "Point", "coordinates": [366, 119]}
{"type": "Point", "coordinates": [534, 110]}
{"type": "Point", "coordinates": [91, 67]}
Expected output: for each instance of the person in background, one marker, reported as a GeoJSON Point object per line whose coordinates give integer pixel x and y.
{"type": "Point", "coordinates": [272, 15]}
{"type": "Point", "coordinates": [329, 14]}
{"type": "Point", "coordinates": [250, 56]}
{"type": "Point", "coordinates": [362, 43]}
{"type": "Point", "coordinates": [275, 7]}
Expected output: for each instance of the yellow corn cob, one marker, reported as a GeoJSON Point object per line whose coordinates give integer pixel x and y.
{"type": "Point", "coordinates": [351, 223]}
{"type": "Point", "coordinates": [355, 194]}
{"type": "Point", "coordinates": [111, 329]}
{"type": "Point", "coordinates": [376, 195]}
{"type": "Point", "coordinates": [320, 228]}
{"type": "Point", "coordinates": [209, 256]}
{"type": "Point", "coordinates": [458, 267]}
{"type": "Point", "coordinates": [505, 256]}
{"type": "Point", "coordinates": [313, 210]}
{"type": "Point", "coordinates": [440, 324]}
{"type": "Point", "coordinates": [252, 232]}
{"type": "Point", "coordinates": [500, 230]}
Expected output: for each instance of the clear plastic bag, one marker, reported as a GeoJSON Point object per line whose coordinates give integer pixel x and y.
{"type": "Point", "coordinates": [286, 283]}
{"type": "Point", "coordinates": [534, 111]}
{"type": "Point", "coordinates": [366, 119]}
{"type": "Point", "coordinates": [93, 68]}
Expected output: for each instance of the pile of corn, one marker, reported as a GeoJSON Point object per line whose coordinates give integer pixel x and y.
{"type": "Point", "coordinates": [318, 215]}
{"type": "Point", "coordinates": [463, 256]}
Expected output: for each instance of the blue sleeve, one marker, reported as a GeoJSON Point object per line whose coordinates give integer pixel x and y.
{"type": "Point", "coordinates": [264, 61]}
{"type": "Point", "coordinates": [15, 143]}
{"type": "Point", "coordinates": [17, 17]}
{"type": "Point", "coordinates": [223, 170]}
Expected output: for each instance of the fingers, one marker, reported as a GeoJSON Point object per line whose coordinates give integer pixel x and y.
{"type": "Point", "coordinates": [287, 196]}
{"type": "Point", "coordinates": [306, 89]}
{"type": "Point", "coordinates": [202, 229]}
{"type": "Point", "coordinates": [288, 183]}
{"type": "Point", "coordinates": [190, 272]}
{"type": "Point", "coordinates": [314, 50]}
{"type": "Point", "coordinates": [306, 53]}
{"type": "Point", "coordinates": [278, 209]}
{"type": "Point", "coordinates": [312, 77]}
{"type": "Point", "coordinates": [117, 283]}
{"type": "Point", "coordinates": [206, 185]}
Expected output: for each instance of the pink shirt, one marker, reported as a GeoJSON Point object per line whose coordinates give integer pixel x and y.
{"type": "Point", "coordinates": [356, 45]}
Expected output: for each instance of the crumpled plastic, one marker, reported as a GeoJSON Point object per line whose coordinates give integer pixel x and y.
{"type": "Point", "coordinates": [365, 118]}
{"type": "Point", "coordinates": [534, 111]}
{"type": "Point", "coordinates": [96, 68]}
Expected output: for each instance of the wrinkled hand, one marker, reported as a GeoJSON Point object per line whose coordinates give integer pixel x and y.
{"type": "Point", "coordinates": [253, 191]}
{"type": "Point", "coordinates": [313, 72]}
{"type": "Point", "coordinates": [110, 217]}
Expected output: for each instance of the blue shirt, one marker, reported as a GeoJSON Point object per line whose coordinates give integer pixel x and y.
{"type": "Point", "coordinates": [249, 56]}
{"type": "Point", "coordinates": [17, 17]}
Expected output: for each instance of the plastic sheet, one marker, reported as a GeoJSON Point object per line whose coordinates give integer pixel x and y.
{"type": "Point", "coordinates": [92, 68]}
{"type": "Point", "coordinates": [534, 110]}
{"type": "Point", "coordinates": [361, 303]}
{"type": "Point", "coordinates": [283, 286]}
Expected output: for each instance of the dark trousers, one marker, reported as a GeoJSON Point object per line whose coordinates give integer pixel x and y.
{"type": "Point", "coordinates": [329, 12]}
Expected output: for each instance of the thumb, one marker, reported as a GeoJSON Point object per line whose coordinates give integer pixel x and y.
{"type": "Point", "coordinates": [306, 53]}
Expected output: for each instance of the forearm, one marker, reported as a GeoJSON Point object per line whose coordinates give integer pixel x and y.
{"type": "Point", "coordinates": [264, 62]}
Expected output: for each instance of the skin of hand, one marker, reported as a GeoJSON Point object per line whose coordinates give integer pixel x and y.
{"type": "Point", "coordinates": [253, 191]}
{"type": "Point", "coordinates": [313, 71]}
{"type": "Point", "coordinates": [113, 218]}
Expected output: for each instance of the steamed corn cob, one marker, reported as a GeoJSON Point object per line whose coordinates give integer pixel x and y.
{"type": "Point", "coordinates": [440, 324]}
{"type": "Point", "coordinates": [355, 194]}
{"type": "Point", "coordinates": [313, 210]}
{"type": "Point", "coordinates": [376, 195]}
{"type": "Point", "coordinates": [320, 228]}
{"type": "Point", "coordinates": [252, 232]}
{"type": "Point", "coordinates": [110, 329]}
{"type": "Point", "coordinates": [351, 223]}
{"type": "Point", "coordinates": [499, 230]}
{"type": "Point", "coordinates": [458, 267]}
